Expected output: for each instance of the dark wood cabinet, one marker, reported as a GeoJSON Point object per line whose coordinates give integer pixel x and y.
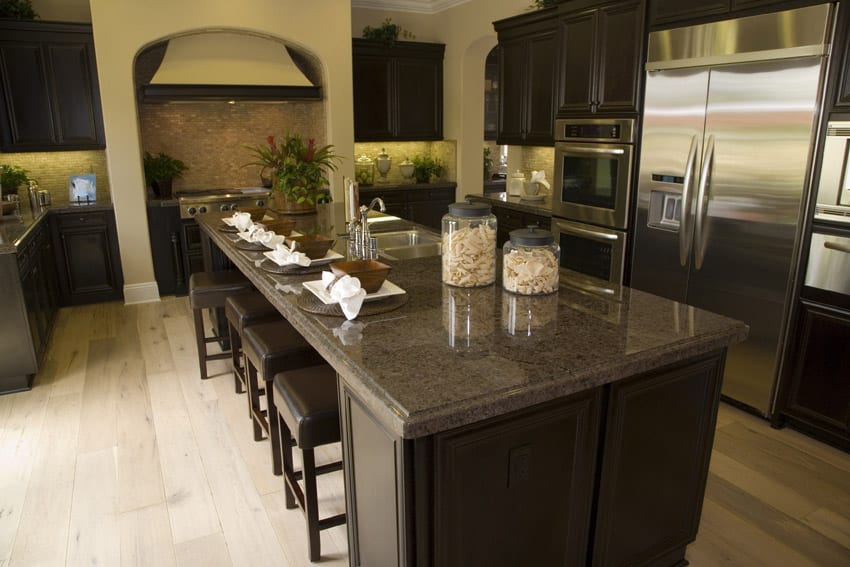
{"type": "Point", "coordinates": [191, 246]}
{"type": "Point", "coordinates": [423, 204]}
{"type": "Point", "coordinates": [508, 219]}
{"type": "Point", "coordinates": [88, 261]}
{"type": "Point", "coordinates": [491, 95]}
{"type": "Point", "coordinates": [164, 227]}
{"type": "Point", "coordinates": [398, 90]}
{"type": "Point", "coordinates": [817, 398]}
{"type": "Point", "coordinates": [49, 95]}
{"type": "Point", "coordinates": [527, 78]}
{"type": "Point", "coordinates": [675, 13]}
{"type": "Point", "coordinates": [601, 50]}
{"type": "Point", "coordinates": [38, 283]}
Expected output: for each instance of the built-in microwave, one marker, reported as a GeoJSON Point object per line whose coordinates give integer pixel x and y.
{"type": "Point", "coordinates": [593, 170]}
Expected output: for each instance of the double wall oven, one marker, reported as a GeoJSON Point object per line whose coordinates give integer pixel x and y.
{"type": "Point", "coordinates": [590, 199]}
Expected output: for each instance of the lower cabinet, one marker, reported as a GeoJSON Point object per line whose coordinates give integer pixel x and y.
{"type": "Point", "coordinates": [422, 204]}
{"type": "Point", "coordinates": [614, 475]}
{"type": "Point", "coordinates": [817, 398]}
{"type": "Point", "coordinates": [87, 257]}
{"type": "Point", "coordinates": [169, 268]}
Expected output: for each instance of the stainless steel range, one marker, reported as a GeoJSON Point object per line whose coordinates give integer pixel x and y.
{"type": "Point", "coordinates": [211, 200]}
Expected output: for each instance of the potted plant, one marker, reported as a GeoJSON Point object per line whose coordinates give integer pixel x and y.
{"type": "Point", "coordinates": [387, 32]}
{"type": "Point", "coordinates": [426, 167]}
{"type": "Point", "coordinates": [488, 163]}
{"type": "Point", "coordinates": [160, 171]}
{"type": "Point", "coordinates": [299, 171]}
{"type": "Point", "coordinates": [11, 179]}
{"type": "Point", "coordinates": [17, 9]}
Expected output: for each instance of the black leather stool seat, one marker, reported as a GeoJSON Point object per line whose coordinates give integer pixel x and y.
{"type": "Point", "coordinates": [306, 399]}
{"type": "Point", "coordinates": [209, 289]}
{"type": "Point", "coordinates": [276, 346]}
{"type": "Point", "coordinates": [307, 409]}
{"type": "Point", "coordinates": [243, 310]}
{"type": "Point", "coordinates": [247, 309]}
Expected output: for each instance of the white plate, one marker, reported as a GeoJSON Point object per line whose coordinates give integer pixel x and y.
{"type": "Point", "coordinates": [532, 197]}
{"type": "Point", "coordinates": [331, 256]}
{"type": "Point", "coordinates": [388, 288]}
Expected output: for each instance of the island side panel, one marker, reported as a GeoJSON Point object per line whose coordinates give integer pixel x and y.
{"type": "Point", "coordinates": [656, 450]}
{"type": "Point", "coordinates": [518, 490]}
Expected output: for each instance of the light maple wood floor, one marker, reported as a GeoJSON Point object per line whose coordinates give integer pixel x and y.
{"type": "Point", "coordinates": [121, 455]}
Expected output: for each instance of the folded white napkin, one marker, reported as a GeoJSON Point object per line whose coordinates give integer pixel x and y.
{"type": "Point", "coordinates": [540, 177]}
{"type": "Point", "coordinates": [283, 256]}
{"type": "Point", "coordinates": [242, 221]}
{"type": "Point", "coordinates": [347, 292]}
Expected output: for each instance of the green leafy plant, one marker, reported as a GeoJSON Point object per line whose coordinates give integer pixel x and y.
{"type": "Point", "coordinates": [540, 4]}
{"type": "Point", "coordinates": [387, 32]}
{"type": "Point", "coordinates": [488, 163]}
{"type": "Point", "coordinates": [162, 167]}
{"type": "Point", "coordinates": [11, 178]}
{"type": "Point", "coordinates": [17, 9]}
{"type": "Point", "coordinates": [426, 167]}
{"type": "Point", "coordinates": [300, 168]}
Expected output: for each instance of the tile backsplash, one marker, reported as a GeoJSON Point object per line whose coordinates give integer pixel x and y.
{"type": "Point", "coordinates": [52, 169]}
{"type": "Point", "coordinates": [444, 151]}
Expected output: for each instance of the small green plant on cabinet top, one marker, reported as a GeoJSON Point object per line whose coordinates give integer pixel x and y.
{"type": "Point", "coordinates": [17, 9]}
{"type": "Point", "coordinates": [11, 178]}
{"type": "Point", "coordinates": [540, 4]}
{"type": "Point", "coordinates": [300, 168]}
{"type": "Point", "coordinates": [387, 32]}
{"type": "Point", "coordinates": [162, 167]}
{"type": "Point", "coordinates": [426, 167]}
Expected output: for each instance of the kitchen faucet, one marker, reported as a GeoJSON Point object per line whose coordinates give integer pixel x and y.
{"type": "Point", "coordinates": [367, 247]}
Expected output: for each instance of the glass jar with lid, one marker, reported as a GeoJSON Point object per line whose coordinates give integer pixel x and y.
{"type": "Point", "coordinates": [364, 170]}
{"type": "Point", "coordinates": [469, 245]}
{"type": "Point", "coordinates": [531, 262]}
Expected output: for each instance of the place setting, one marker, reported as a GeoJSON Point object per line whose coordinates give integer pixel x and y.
{"type": "Point", "coordinates": [300, 254]}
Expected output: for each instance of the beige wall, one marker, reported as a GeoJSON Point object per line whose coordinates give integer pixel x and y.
{"type": "Point", "coordinates": [124, 27]}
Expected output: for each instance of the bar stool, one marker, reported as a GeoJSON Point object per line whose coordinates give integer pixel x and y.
{"type": "Point", "coordinates": [307, 409]}
{"type": "Point", "coordinates": [208, 290]}
{"type": "Point", "coordinates": [244, 310]}
{"type": "Point", "coordinates": [270, 348]}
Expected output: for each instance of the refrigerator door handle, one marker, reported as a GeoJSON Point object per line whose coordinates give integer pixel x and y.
{"type": "Point", "coordinates": [703, 195]}
{"type": "Point", "coordinates": [686, 230]}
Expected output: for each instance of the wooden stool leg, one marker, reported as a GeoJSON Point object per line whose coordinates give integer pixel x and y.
{"type": "Point", "coordinates": [236, 358]}
{"type": "Point", "coordinates": [253, 397]}
{"type": "Point", "coordinates": [199, 340]}
{"type": "Point", "coordinates": [274, 432]}
{"type": "Point", "coordinates": [286, 457]}
{"type": "Point", "coordinates": [311, 504]}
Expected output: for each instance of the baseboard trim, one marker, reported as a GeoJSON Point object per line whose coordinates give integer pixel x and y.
{"type": "Point", "coordinates": [147, 292]}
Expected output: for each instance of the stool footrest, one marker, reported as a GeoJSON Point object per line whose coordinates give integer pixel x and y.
{"type": "Point", "coordinates": [332, 521]}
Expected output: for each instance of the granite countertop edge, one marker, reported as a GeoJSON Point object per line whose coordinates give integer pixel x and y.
{"type": "Point", "coordinates": [27, 223]}
{"type": "Point", "coordinates": [533, 207]}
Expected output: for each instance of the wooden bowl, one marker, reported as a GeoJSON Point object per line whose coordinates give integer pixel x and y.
{"type": "Point", "coordinates": [280, 226]}
{"type": "Point", "coordinates": [8, 207]}
{"type": "Point", "coordinates": [371, 273]}
{"type": "Point", "coordinates": [315, 246]}
{"type": "Point", "coordinates": [257, 213]}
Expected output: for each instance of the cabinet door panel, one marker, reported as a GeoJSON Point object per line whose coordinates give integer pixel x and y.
{"type": "Point", "coordinates": [672, 11]}
{"type": "Point", "coordinates": [420, 85]}
{"type": "Point", "coordinates": [620, 40]}
{"type": "Point", "coordinates": [25, 85]}
{"type": "Point", "coordinates": [88, 263]}
{"type": "Point", "coordinates": [372, 109]}
{"type": "Point", "coordinates": [512, 67]}
{"type": "Point", "coordinates": [74, 104]}
{"type": "Point", "coordinates": [540, 118]}
{"type": "Point", "coordinates": [578, 38]}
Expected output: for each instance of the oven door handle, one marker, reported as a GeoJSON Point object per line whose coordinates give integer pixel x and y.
{"type": "Point", "coordinates": [837, 247]}
{"type": "Point", "coordinates": [593, 234]}
{"type": "Point", "coordinates": [590, 150]}
{"type": "Point", "coordinates": [686, 228]}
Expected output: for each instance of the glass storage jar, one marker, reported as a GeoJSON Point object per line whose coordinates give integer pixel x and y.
{"type": "Point", "coordinates": [531, 261]}
{"type": "Point", "coordinates": [469, 245]}
{"type": "Point", "coordinates": [364, 170]}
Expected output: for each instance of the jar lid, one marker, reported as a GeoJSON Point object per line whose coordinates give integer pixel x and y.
{"type": "Point", "coordinates": [383, 154]}
{"type": "Point", "coordinates": [364, 160]}
{"type": "Point", "coordinates": [532, 236]}
{"type": "Point", "coordinates": [469, 209]}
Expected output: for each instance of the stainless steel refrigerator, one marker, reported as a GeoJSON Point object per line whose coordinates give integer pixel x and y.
{"type": "Point", "coordinates": [729, 124]}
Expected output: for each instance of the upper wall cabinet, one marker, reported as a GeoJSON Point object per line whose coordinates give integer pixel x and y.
{"type": "Point", "coordinates": [49, 96]}
{"type": "Point", "coordinates": [527, 78]}
{"type": "Point", "coordinates": [398, 90]}
{"type": "Point", "coordinates": [674, 13]}
{"type": "Point", "coordinates": [601, 51]}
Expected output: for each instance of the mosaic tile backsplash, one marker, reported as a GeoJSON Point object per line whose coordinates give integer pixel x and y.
{"type": "Point", "coordinates": [52, 169]}
{"type": "Point", "coordinates": [444, 151]}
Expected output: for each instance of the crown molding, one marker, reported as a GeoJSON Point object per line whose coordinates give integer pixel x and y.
{"type": "Point", "coordinates": [414, 6]}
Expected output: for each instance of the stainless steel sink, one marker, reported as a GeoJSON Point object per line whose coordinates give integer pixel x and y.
{"type": "Point", "coordinates": [407, 244]}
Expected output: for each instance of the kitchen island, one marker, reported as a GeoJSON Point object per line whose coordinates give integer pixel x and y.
{"type": "Point", "coordinates": [484, 428]}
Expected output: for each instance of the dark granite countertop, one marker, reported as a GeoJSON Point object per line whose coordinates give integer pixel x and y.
{"type": "Point", "coordinates": [422, 186]}
{"type": "Point", "coordinates": [542, 208]}
{"type": "Point", "coordinates": [14, 229]}
{"type": "Point", "coordinates": [454, 356]}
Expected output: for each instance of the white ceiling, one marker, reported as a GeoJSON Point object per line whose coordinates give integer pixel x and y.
{"type": "Point", "coordinates": [418, 6]}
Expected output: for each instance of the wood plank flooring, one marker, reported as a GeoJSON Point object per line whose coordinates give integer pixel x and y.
{"type": "Point", "coordinates": [121, 455]}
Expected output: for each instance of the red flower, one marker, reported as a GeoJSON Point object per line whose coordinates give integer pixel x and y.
{"type": "Point", "coordinates": [311, 149]}
{"type": "Point", "coordinates": [270, 140]}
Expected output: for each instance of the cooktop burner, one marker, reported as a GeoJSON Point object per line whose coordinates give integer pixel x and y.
{"type": "Point", "coordinates": [227, 199]}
